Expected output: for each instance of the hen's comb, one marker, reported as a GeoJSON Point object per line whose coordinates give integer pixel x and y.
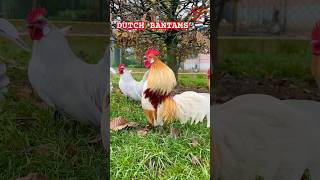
{"type": "Point", "coordinates": [208, 73]}
{"type": "Point", "coordinates": [36, 12]}
{"type": "Point", "coordinates": [151, 52]}
{"type": "Point", "coordinates": [121, 66]}
{"type": "Point", "coordinates": [316, 32]}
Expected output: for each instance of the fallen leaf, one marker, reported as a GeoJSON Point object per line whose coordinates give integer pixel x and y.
{"type": "Point", "coordinates": [132, 124]}
{"type": "Point", "coordinates": [33, 176]}
{"type": "Point", "coordinates": [24, 93]}
{"type": "Point", "coordinates": [174, 132]}
{"type": "Point", "coordinates": [70, 150]}
{"type": "Point", "coordinates": [194, 142]}
{"type": "Point", "coordinates": [142, 132]}
{"type": "Point", "coordinates": [119, 123]}
{"type": "Point", "coordinates": [195, 160]}
{"type": "Point", "coordinates": [43, 149]}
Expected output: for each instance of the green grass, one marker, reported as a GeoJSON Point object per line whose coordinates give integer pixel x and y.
{"type": "Point", "coordinates": [185, 80]}
{"type": "Point", "coordinates": [31, 140]}
{"type": "Point", "coordinates": [266, 58]}
{"type": "Point", "coordinates": [170, 158]}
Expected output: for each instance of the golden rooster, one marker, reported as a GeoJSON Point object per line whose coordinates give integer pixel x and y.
{"type": "Point", "coordinates": [159, 106]}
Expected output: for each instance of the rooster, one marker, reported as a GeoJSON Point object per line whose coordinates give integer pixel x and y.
{"type": "Point", "coordinates": [8, 31]}
{"type": "Point", "coordinates": [159, 106]}
{"type": "Point", "coordinates": [61, 79]}
{"type": "Point", "coordinates": [128, 85]}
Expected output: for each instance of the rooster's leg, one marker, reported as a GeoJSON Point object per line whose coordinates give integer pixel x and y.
{"type": "Point", "coordinates": [150, 114]}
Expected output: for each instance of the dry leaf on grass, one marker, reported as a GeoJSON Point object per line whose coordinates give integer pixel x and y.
{"type": "Point", "coordinates": [43, 149]}
{"type": "Point", "coordinates": [194, 142]}
{"type": "Point", "coordinates": [70, 150]}
{"type": "Point", "coordinates": [33, 176]}
{"type": "Point", "coordinates": [27, 122]}
{"type": "Point", "coordinates": [142, 132]}
{"type": "Point", "coordinates": [120, 123]}
{"type": "Point", "coordinates": [195, 160]}
{"type": "Point", "coordinates": [174, 132]}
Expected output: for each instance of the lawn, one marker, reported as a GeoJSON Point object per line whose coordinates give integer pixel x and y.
{"type": "Point", "coordinates": [31, 140]}
{"type": "Point", "coordinates": [159, 154]}
{"type": "Point", "coordinates": [265, 58]}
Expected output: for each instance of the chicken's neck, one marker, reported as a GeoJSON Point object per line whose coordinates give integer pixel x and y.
{"type": "Point", "coordinates": [53, 47]}
{"type": "Point", "coordinates": [161, 79]}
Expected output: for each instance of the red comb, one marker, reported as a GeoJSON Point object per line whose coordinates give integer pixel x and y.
{"type": "Point", "coordinates": [315, 43]}
{"type": "Point", "coordinates": [208, 73]}
{"type": "Point", "coordinates": [121, 66]}
{"type": "Point", "coordinates": [316, 32]}
{"type": "Point", "coordinates": [36, 12]}
{"type": "Point", "coordinates": [151, 52]}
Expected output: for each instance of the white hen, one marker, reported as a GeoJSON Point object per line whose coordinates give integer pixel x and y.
{"type": "Point", "coordinates": [128, 85]}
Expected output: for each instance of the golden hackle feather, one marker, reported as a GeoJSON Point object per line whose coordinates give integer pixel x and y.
{"type": "Point", "coordinates": [168, 110]}
{"type": "Point", "coordinates": [161, 78]}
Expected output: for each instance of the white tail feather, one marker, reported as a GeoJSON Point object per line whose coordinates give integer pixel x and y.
{"type": "Point", "coordinates": [193, 107]}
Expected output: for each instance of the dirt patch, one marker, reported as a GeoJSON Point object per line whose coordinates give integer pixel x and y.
{"type": "Point", "coordinates": [285, 88]}
{"type": "Point", "coordinates": [195, 89]}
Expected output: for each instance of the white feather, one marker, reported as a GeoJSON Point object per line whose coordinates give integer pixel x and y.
{"type": "Point", "coordinates": [145, 103]}
{"type": "Point", "coordinates": [130, 87]}
{"type": "Point", "coordinates": [193, 107]}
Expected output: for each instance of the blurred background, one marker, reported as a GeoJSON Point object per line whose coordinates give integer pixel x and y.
{"type": "Point", "coordinates": [264, 47]}
{"type": "Point", "coordinates": [281, 17]}
{"type": "Point", "coordinates": [70, 10]}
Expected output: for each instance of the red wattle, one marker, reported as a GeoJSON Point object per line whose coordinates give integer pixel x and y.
{"type": "Point", "coordinates": [36, 34]}
{"type": "Point", "coordinates": [147, 64]}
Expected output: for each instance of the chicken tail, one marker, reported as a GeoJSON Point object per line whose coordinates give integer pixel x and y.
{"type": "Point", "coordinates": [193, 107]}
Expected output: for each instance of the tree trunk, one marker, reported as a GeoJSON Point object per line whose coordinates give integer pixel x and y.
{"type": "Point", "coordinates": [122, 59]}
{"type": "Point", "coordinates": [171, 44]}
